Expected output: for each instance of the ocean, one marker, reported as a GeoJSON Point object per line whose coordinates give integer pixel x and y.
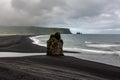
{"type": "Point", "coordinates": [103, 48]}
{"type": "Point", "coordinates": [95, 43]}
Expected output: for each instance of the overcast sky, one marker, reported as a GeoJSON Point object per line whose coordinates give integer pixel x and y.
{"type": "Point", "coordinates": [87, 16]}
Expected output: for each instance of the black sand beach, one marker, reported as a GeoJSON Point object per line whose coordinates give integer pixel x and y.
{"type": "Point", "coordinates": [19, 43]}
{"type": "Point", "coordinates": [48, 67]}
{"type": "Point", "coordinates": [43, 68]}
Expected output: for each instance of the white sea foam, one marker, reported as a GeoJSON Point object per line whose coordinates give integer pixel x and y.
{"type": "Point", "coordinates": [87, 42]}
{"type": "Point", "coordinates": [86, 50]}
{"type": "Point", "coordinates": [93, 51]}
{"type": "Point", "coordinates": [103, 45]}
{"type": "Point", "coordinates": [37, 41]}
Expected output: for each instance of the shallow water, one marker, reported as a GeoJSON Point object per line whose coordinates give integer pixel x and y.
{"type": "Point", "coordinates": [109, 59]}
{"type": "Point", "coordinates": [16, 54]}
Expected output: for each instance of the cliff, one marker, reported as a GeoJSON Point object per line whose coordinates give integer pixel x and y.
{"type": "Point", "coordinates": [31, 30]}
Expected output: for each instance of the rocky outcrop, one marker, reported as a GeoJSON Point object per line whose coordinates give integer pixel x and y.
{"type": "Point", "coordinates": [55, 45]}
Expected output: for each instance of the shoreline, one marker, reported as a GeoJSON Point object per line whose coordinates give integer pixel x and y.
{"type": "Point", "coordinates": [23, 44]}
{"type": "Point", "coordinates": [19, 43]}
{"type": "Point", "coordinates": [42, 67]}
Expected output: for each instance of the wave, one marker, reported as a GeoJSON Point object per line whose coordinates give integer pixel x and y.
{"type": "Point", "coordinates": [103, 45]}
{"type": "Point", "coordinates": [92, 51]}
{"type": "Point", "coordinates": [88, 42]}
{"type": "Point", "coordinates": [38, 40]}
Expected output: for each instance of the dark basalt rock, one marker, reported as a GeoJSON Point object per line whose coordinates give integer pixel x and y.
{"type": "Point", "coordinates": [55, 45]}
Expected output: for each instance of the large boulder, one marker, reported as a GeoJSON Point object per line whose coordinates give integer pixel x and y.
{"type": "Point", "coordinates": [55, 45]}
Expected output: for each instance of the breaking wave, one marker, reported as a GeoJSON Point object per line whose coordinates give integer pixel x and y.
{"type": "Point", "coordinates": [90, 47]}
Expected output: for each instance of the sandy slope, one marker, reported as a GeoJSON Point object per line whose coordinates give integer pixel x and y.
{"type": "Point", "coordinates": [43, 68]}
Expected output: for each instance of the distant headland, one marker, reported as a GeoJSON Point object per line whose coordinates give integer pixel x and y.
{"type": "Point", "coordinates": [31, 30]}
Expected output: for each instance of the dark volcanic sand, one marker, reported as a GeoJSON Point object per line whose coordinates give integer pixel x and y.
{"type": "Point", "coordinates": [47, 67]}
{"type": "Point", "coordinates": [44, 68]}
{"type": "Point", "coordinates": [19, 43]}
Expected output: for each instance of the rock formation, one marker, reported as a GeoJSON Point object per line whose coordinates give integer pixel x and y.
{"type": "Point", "coordinates": [55, 45]}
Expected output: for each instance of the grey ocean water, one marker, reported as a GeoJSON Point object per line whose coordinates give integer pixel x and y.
{"type": "Point", "coordinates": [89, 42]}
{"type": "Point", "coordinates": [104, 48]}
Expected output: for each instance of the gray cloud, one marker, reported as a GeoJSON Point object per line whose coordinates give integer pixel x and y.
{"type": "Point", "coordinates": [36, 7]}
{"type": "Point", "coordinates": [91, 16]}
{"type": "Point", "coordinates": [39, 12]}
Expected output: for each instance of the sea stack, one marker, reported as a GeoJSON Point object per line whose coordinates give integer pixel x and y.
{"type": "Point", "coordinates": [55, 45]}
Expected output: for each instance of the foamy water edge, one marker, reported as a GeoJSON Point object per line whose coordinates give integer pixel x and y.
{"type": "Point", "coordinates": [40, 43]}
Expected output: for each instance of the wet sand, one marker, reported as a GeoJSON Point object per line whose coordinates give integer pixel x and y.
{"type": "Point", "coordinates": [48, 67]}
